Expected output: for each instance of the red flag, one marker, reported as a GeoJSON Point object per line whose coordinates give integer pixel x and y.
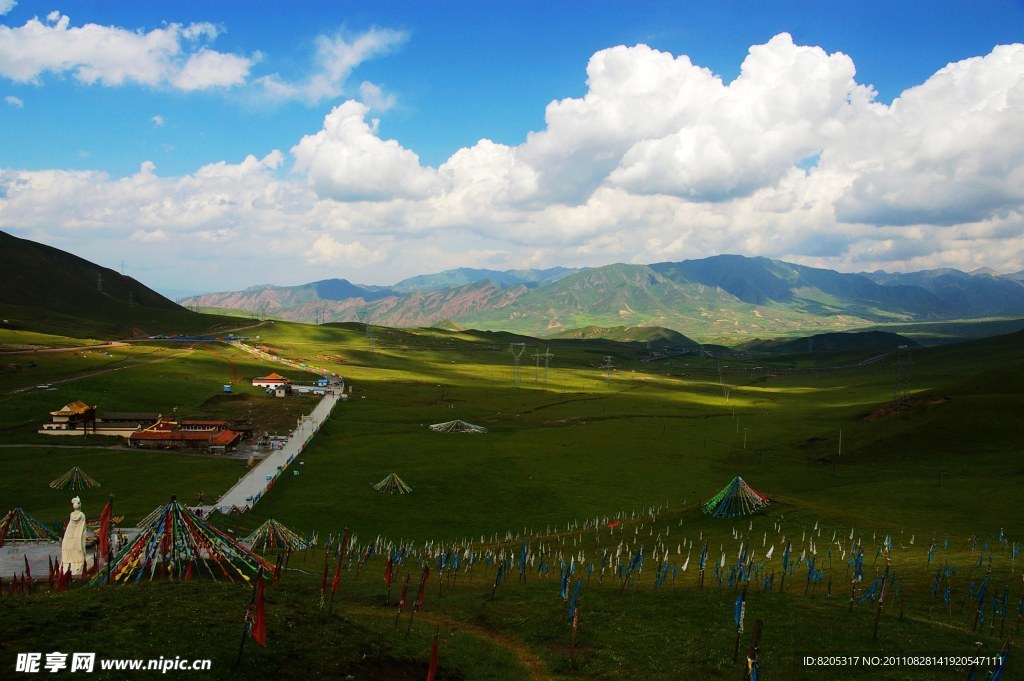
{"type": "Point", "coordinates": [323, 580]}
{"type": "Point", "coordinates": [188, 572]}
{"type": "Point", "coordinates": [433, 661]}
{"type": "Point", "coordinates": [337, 570]}
{"type": "Point", "coordinates": [104, 536]}
{"type": "Point", "coordinates": [387, 573]}
{"type": "Point", "coordinates": [336, 582]}
{"type": "Point", "coordinates": [259, 616]}
{"type": "Point", "coordinates": [405, 590]}
{"type": "Point", "coordinates": [423, 586]}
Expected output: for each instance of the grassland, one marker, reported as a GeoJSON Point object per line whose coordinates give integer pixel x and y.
{"type": "Point", "coordinates": [175, 379]}
{"type": "Point", "coordinates": [643, 444]}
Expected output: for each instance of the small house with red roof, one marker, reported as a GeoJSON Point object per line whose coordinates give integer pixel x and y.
{"type": "Point", "coordinates": [165, 434]}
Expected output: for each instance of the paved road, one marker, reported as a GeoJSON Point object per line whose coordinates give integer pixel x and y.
{"type": "Point", "coordinates": [71, 348]}
{"type": "Point", "coordinates": [248, 490]}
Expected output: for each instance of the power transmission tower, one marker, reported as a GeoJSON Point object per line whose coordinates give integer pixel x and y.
{"type": "Point", "coordinates": [608, 366]}
{"type": "Point", "coordinates": [901, 377]}
{"type": "Point", "coordinates": [538, 356]}
{"type": "Point", "coordinates": [319, 315]}
{"type": "Point", "coordinates": [517, 350]}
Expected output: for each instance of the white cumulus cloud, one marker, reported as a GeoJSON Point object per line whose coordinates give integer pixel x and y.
{"type": "Point", "coordinates": [788, 103]}
{"type": "Point", "coordinates": [658, 160]}
{"type": "Point", "coordinates": [347, 161]}
{"type": "Point", "coordinates": [949, 151]}
{"type": "Point", "coordinates": [634, 94]}
{"type": "Point", "coordinates": [207, 69]}
{"type": "Point", "coordinates": [326, 250]}
{"type": "Point", "coordinates": [15, 101]}
{"type": "Point", "coordinates": [111, 56]}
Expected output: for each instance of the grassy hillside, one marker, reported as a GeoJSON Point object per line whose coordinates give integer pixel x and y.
{"type": "Point", "coordinates": [640, 447]}
{"type": "Point", "coordinates": [651, 336]}
{"type": "Point", "coordinates": [44, 289]}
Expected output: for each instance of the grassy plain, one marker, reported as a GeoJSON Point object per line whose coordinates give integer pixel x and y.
{"type": "Point", "coordinates": [643, 443]}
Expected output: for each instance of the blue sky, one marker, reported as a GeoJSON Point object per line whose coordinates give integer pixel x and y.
{"type": "Point", "coordinates": [389, 139]}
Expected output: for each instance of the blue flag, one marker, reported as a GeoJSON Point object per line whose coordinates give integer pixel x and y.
{"type": "Point", "coordinates": [575, 596]}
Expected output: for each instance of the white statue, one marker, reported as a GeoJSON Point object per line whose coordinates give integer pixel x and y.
{"type": "Point", "coordinates": [72, 549]}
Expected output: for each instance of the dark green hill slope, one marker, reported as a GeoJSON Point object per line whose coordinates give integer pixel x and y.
{"type": "Point", "coordinates": [42, 276]}
{"type": "Point", "coordinates": [655, 336]}
{"type": "Point", "coordinates": [49, 290]}
{"type": "Point", "coordinates": [835, 342]}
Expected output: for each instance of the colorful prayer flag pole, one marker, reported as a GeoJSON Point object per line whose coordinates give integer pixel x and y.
{"type": "Point", "coordinates": [419, 597]}
{"type": "Point", "coordinates": [752, 673]}
{"type": "Point", "coordinates": [401, 599]}
{"type": "Point", "coordinates": [254, 615]}
{"type": "Point", "coordinates": [432, 669]}
{"type": "Point", "coordinates": [497, 578]}
{"type": "Point", "coordinates": [881, 598]}
{"type": "Point", "coordinates": [572, 640]}
{"type": "Point", "coordinates": [739, 612]}
{"type": "Point", "coordinates": [337, 571]}
{"type": "Point", "coordinates": [388, 569]}
{"type": "Point", "coordinates": [104, 535]}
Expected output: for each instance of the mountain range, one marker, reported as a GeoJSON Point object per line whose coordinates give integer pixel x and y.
{"type": "Point", "coordinates": [720, 296]}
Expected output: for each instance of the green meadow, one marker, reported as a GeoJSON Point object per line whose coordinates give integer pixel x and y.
{"type": "Point", "coordinates": [607, 434]}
